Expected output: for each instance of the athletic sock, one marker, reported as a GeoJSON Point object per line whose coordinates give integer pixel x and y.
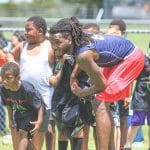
{"type": "Point", "coordinates": [76, 143]}
{"type": "Point", "coordinates": [62, 145]}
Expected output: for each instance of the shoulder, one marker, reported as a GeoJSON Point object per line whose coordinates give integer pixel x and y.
{"type": "Point", "coordinates": [88, 55]}
{"type": "Point", "coordinates": [16, 51]}
{"type": "Point", "coordinates": [50, 52]}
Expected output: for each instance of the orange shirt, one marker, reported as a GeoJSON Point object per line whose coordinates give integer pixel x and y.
{"type": "Point", "coordinates": [2, 58]}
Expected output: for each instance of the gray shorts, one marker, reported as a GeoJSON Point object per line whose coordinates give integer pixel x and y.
{"type": "Point", "coordinates": [46, 120]}
{"type": "Point", "coordinates": [116, 119]}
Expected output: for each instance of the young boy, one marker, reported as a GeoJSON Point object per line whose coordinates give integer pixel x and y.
{"type": "Point", "coordinates": [25, 104]}
{"type": "Point", "coordinates": [141, 104]}
{"type": "Point", "coordinates": [36, 59]}
{"type": "Point", "coordinates": [120, 109]}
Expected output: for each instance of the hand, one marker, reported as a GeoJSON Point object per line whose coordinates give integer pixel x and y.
{"type": "Point", "coordinates": [126, 103]}
{"type": "Point", "coordinates": [36, 128]}
{"type": "Point", "coordinates": [76, 89]}
{"type": "Point", "coordinates": [50, 129]}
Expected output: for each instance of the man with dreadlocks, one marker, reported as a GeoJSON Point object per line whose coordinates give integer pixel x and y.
{"type": "Point", "coordinates": [121, 60]}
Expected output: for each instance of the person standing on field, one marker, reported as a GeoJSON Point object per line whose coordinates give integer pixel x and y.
{"type": "Point", "coordinates": [120, 68]}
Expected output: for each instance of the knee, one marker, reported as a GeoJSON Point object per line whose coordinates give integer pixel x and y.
{"type": "Point", "coordinates": [103, 108]}
{"type": "Point", "coordinates": [23, 134]}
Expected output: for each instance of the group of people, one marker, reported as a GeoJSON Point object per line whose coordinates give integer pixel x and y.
{"type": "Point", "coordinates": [45, 76]}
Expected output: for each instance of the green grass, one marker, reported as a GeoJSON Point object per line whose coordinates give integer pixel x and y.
{"type": "Point", "coordinates": [91, 142]}
{"type": "Point", "coordinates": [141, 40]}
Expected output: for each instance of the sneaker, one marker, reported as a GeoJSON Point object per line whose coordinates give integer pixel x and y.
{"type": "Point", "coordinates": [7, 140]}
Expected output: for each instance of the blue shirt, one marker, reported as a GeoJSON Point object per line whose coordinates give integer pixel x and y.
{"type": "Point", "coordinates": [112, 49]}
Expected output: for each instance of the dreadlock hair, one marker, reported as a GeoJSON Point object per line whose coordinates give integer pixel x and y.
{"type": "Point", "coordinates": [39, 22]}
{"type": "Point", "coordinates": [71, 26]}
{"type": "Point", "coordinates": [12, 67]}
{"type": "Point", "coordinates": [120, 23]}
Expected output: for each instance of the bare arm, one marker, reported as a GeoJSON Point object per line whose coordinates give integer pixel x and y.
{"type": "Point", "coordinates": [39, 121]}
{"type": "Point", "coordinates": [54, 79]}
{"type": "Point", "coordinates": [14, 55]}
{"type": "Point", "coordinates": [86, 62]}
{"type": "Point", "coordinates": [74, 75]}
{"type": "Point", "coordinates": [51, 56]}
{"type": "Point", "coordinates": [10, 117]}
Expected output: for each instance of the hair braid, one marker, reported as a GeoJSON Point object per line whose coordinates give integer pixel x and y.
{"type": "Point", "coordinates": [73, 27]}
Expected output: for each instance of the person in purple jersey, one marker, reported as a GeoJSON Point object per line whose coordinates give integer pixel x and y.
{"type": "Point", "coordinates": [122, 62]}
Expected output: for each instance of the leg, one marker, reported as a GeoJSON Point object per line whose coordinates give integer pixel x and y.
{"type": "Point", "coordinates": [76, 141]}
{"type": "Point", "coordinates": [117, 137]}
{"type": "Point", "coordinates": [50, 136]}
{"type": "Point", "coordinates": [138, 119]}
{"type": "Point", "coordinates": [124, 113]}
{"type": "Point", "coordinates": [38, 140]}
{"type": "Point", "coordinates": [31, 145]}
{"type": "Point", "coordinates": [103, 124]}
{"type": "Point", "coordinates": [23, 143]}
{"type": "Point", "coordinates": [15, 138]}
{"type": "Point", "coordinates": [62, 141]}
{"type": "Point", "coordinates": [86, 130]}
{"type": "Point", "coordinates": [131, 134]}
{"type": "Point", "coordinates": [123, 130]}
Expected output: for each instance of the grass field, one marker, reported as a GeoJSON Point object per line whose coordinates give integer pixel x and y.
{"type": "Point", "coordinates": [91, 142]}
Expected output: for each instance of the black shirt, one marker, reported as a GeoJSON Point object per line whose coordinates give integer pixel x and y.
{"type": "Point", "coordinates": [26, 101]}
{"type": "Point", "coordinates": [141, 95]}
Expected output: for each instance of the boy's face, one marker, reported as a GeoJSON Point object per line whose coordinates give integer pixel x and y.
{"type": "Point", "coordinates": [92, 30]}
{"type": "Point", "coordinates": [9, 80]}
{"type": "Point", "coordinates": [115, 30]}
{"type": "Point", "coordinates": [31, 32]}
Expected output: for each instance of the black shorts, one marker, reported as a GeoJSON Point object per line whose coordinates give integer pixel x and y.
{"type": "Point", "coordinates": [24, 123]}
{"type": "Point", "coordinates": [123, 111]}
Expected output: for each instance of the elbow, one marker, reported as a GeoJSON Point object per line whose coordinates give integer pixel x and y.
{"type": "Point", "coordinates": [101, 87]}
